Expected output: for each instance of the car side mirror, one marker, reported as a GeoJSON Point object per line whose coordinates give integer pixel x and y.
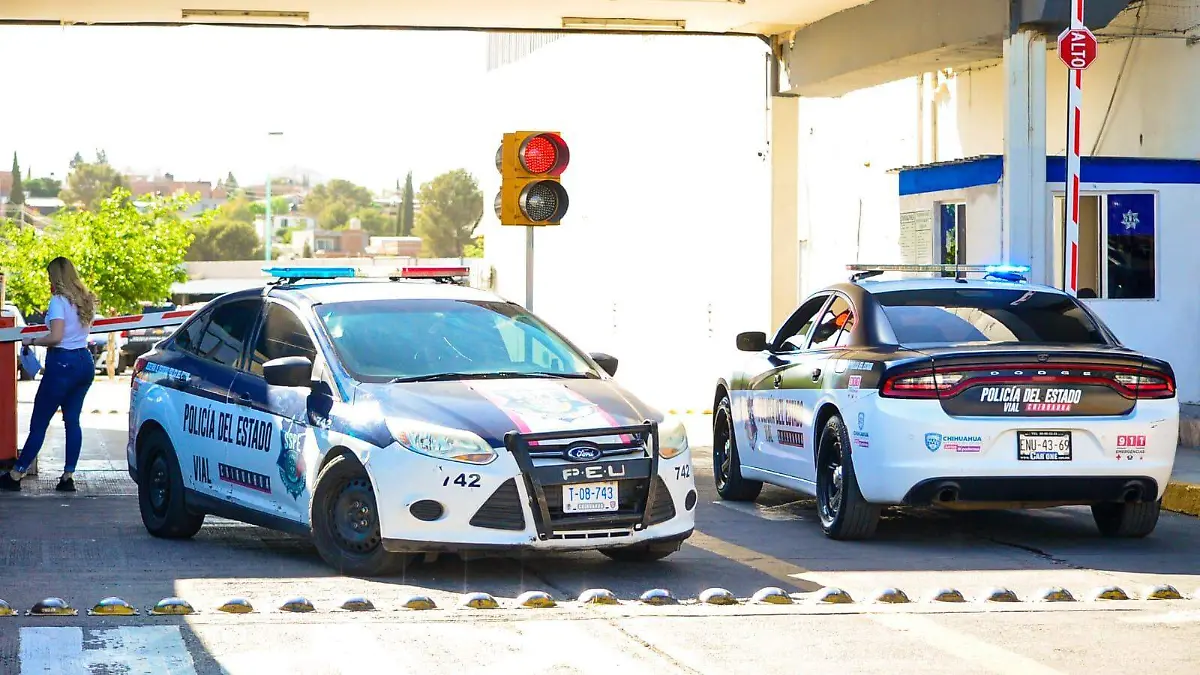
{"type": "Point", "coordinates": [753, 341]}
{"type": "Point", "coordinates": [607, 363]}
{"type": "Point", "coordinates": [288, 371]}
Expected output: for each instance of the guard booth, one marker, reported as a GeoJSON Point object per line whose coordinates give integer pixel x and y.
{"type": "Point", "coordinates": [1139, 239]}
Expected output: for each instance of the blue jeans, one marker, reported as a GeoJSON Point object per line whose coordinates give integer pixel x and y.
{"type": "Point", "coordinates": [66, 377]}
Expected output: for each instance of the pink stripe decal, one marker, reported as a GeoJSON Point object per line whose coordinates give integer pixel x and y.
{"type": "Point", "coordinates": [535, 406]}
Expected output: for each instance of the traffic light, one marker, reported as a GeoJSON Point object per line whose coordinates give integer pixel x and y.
{"type": "Point", "coordinates": [530, 163]}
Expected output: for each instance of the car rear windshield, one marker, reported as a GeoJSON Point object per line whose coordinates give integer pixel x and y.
{"type": "Point", "coordinates": [384, 340]}
{"type": "Point", "coordinates": [952, 316]}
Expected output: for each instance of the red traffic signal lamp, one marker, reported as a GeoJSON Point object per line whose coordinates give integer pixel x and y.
{"type": "Point", "coordinates": [531, 192]}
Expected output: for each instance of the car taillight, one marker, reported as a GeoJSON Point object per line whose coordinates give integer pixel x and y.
{"type": "Point", "coordinates": [124, 333]}
{"type": "Point", "coordinates": [138, 366]}
{"type": "Point", "coordinates": [919, 384]}
{"type": "Point", "coordinates": [1148, 386]}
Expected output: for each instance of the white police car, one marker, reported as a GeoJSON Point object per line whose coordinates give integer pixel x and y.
{"type": "Point", "coordinates": [387, 418]}
{"type": "Point", "coordinates": [949, 392]}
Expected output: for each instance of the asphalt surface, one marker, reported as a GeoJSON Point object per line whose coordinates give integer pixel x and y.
{"type": "Point", "coordinates": [91, 545]}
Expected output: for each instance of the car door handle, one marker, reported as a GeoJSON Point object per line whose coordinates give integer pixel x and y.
{"type": "Point", "coordinates": [816, 374]}
{"type": "Point", "coordinates": [778, 380]}
{"type": "Point", "coordinates": [244, 396]}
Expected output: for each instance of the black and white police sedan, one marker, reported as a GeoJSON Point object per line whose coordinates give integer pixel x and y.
{"type": "Point", "coordinates": [979, 393]}
{"type": "Point", "coordinates": [386, 418]}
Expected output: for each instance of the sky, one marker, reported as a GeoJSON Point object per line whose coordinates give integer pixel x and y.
{"type": "Point", "coordinates": [199, 101]}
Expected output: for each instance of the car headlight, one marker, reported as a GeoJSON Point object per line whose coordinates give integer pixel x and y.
{"type": "Point", "coordinates": [672, 438]}
{"type": "Point", "coordinates": [439, 442]}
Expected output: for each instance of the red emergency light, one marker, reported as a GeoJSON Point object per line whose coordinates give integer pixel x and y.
{"type": "Point", "coordinates": [544, 154]}
{"type": "Point", "coordinates": [434, 272]}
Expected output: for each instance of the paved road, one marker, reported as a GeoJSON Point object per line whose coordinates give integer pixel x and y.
{"type": "Point", "coordinates": [91, 545]}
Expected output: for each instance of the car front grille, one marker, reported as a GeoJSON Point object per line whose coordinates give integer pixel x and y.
{"type": "Point", "coordinates": [502, 511]}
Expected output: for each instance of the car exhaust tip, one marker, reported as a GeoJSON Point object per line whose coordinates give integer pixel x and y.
{"type": "Point", "coordinates": [1133, 493]}
{"type": "Point", "coordinates": [947, 494]}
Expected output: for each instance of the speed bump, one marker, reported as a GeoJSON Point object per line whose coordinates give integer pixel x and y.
{"type": "Point", "coordinates": [358, 604]}
{"type": "Point", "coordinates": [6, 609]}
{"type": "Point", "coordinates": [297, 604]}
{"type": "Point", "coordinates": [172, 606]}
{"type": "Point", "coordinates": [771, 596]}
{"type": "Point", "coordinates": [891, 596]}
{"type": "Point", "coordinates": [236, 606]}
{"type": "Point", "coordinates": [1000, 595]}
{"type": "Point", "coordinates": [1056, 594]}
{"type": "Point", "coordinates": [1163, 592]}
{"type": "Point", "coordinates": [52, 607]}
{"type": "Point", "coordinates": [717, 596]}
{"type": "Point", "coordinates": [598, 596]}
{"type": "Point", "coordinates": [535, 600]}
{"type": "Point", "coordinates": [834, 596]}
{"type": "Point", "coordinates": [948, 595]}
{"type": "Point", "coordinates": [419, 602]}
{"type": "Point", "coordinates": [479, 601]}
{"type": "Point", "coordinates": [112, 607]}
{"type": "Point", "coordinates": [658, 597]}
{"type": "Point", "coordinates": [1110, 593]}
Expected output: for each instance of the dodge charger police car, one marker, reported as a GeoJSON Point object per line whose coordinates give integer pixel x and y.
{"type": "Point", "coordinates": [386, 418]}
{"type": "Point", "coordinates": [950, 392]}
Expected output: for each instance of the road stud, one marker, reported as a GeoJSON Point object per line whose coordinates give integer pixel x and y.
{"type": "Point", "coordinates": [1000, 595]}
{"type": "Point", "coordinates": [1056, 594]}
{"type": "Point", "coordinates": [891, 596]}
{"type": "Point", "coordinates": [6, 609]}
{"type": "Point", "coordinates": [297, 604]}
{"type": "Point", "coordinates": [717, 596]}
{"type": "Point", "coordinates": [479, 601]}
{"type": "Point", "coordinates": [948, 595]}
{"type": "Point", "coordinates": [658, 597]}
{"type": "Point", "coordinates": [1110, 593]}
{"type": "Point", "coordinates": [536, 600]}
{"type": "Point", "coordinates": [358, 604]}
{"type": "Point", "coordinates": [171, 607]}
{"type": "Point", "coordinates": [419, 602]}
{"type": "Point", "coordinates": [237, 606]}
{"type": "Point", "coordinates": [771, 596]}
{"type": "Point", "coordinates": [1163, 592]}
{"type": "Point", "coordinates": [112, 607]}
{"type": "Point", "coordinates": [598, 596]}
{"type": "Point", "coordinates": [834, 596]}
{"type": "Point", "coordinates": [52, 607]}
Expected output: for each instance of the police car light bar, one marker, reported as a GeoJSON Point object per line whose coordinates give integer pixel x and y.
{"type": "Point", "coordinates": [1009, 272]}
{"type": "Point", "coordinates": [311, 272]}
{"type": "Point", "coordinates": [434, 272]}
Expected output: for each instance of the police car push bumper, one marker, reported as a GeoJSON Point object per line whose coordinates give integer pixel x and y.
{"type": "Point", "coordinates": [921, 455]}
{"type": "Point", "coordinates": [474, 497]}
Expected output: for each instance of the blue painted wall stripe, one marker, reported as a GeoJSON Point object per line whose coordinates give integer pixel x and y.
{"type": "Point", "coordinates": [988, 171]}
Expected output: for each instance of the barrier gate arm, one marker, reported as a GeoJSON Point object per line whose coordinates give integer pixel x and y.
{"type": "Point", "coordinates": [106, 325]}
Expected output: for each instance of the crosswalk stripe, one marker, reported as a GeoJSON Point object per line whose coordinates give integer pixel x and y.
{"type": "Point", "coordinates": [141, 650]}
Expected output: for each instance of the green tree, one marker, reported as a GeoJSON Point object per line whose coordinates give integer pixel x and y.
{"type": "Point", "coordinates": [406, 208]}
{"type": "Point", "coordinates": [17, 194]}
{"type": "Point", "coordinates": [89, 184]}
{"type": "Point", "coordinates": [279, 206]}
{"type": "Point", "coordinates": [333, 203]}
{"type": "Point", "coordinates": [78, 159]}
{"type": "Point", "coordinates": [231, 182]}
{"type": "Point", "coordinates": [451, 208]}
{"type": "Point", "coordinates": [221, 239]}
{"type": "Point", "coordinates": [43, 187]}
{"type": "Point", "coordinates": [474, 249]}
{"type": "Point", "coordinates": [307, 252]}
{"type": "Point", "coordinates": [125, 256]}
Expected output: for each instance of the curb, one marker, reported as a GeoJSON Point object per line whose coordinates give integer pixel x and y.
{"type": "Point", "coordinates": [1182, 498]}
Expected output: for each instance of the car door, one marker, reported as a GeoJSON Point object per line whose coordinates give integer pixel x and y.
{"type": "Point", "coordinates": [271, 431]}
{"type": "Point", "coordinates": [830, 335]}
{"type": "Point", "coordinates": [776, 396]}
{"type": "Point", "coordinates": [206, 429]}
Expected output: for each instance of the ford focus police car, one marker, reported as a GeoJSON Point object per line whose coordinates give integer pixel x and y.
{"type": "Point", "coordinates": [952, 392]}
{"type": "Point", "coordinates": [386, 418]}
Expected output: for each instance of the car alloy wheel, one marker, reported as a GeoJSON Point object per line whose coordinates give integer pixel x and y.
{"type": "Point", "coordinates": [829, 496]}
{"type": "Point", "coordinates": [723, 451]}
{"type": "Point", "coordinates": [160, 485]}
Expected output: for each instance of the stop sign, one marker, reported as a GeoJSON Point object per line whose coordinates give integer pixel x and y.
{"type": "Point", "coordinates": [1077, 48]}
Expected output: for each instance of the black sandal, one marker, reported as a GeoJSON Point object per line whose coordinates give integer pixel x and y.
{"type": "Point", "coordinates": [65, 485]}
{"type": "Point", "coordinates": [7, 482]}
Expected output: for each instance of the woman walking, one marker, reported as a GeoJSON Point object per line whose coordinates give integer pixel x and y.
{"type": "Point", "coordinates": [66, 376]}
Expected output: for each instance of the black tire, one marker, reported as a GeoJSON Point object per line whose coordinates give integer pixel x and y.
{"type": "Point", "coordinates": [641, 554]}
{"type": "Point", "coordinates": [727, 466]}
{"type": "Point", "coordinates": [161, 491]}
{"type": "Point", "coordinates": [1129, 520]}
{"type": "Point", "coordinates": [844, 514]}
{"type": "Point", "coordinates": [347, 545]}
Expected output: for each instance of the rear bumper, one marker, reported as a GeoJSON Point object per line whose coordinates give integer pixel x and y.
{"type": "Point", "coordinates": [1032, 490]}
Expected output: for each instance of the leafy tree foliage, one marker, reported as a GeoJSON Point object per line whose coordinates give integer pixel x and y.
{"type": "Point", "coordinates": [231, 182]}
{"type": "Point", "coordinates": [475, 248]}
{"type": "Point", "coordinates": [17, 194]}
{"type": "Point", "coordinates": [89, 184]}
{"type": "Point", "coordinates": [43, 187]}
{"type": "Point", "coordinates": [333, 203]}
{"type": "Point", "coordinates": [406, 208]}
{"type": "Point", "coordinates": [451, 208]}
{"type": "Point", "coordinates": [222, 239]}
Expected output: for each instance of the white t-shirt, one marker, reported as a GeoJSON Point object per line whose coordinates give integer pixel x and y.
{"type": "Point", "coordinates": [75, 334]}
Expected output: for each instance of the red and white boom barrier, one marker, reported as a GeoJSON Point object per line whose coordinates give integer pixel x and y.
{"type": "Point", "coordinates": [108, 325]}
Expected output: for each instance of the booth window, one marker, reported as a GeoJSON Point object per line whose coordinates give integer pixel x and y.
{"type": "Point", "coordinates": [1116, 245]}
{"type": "Point", "coordinates": [952, 224]}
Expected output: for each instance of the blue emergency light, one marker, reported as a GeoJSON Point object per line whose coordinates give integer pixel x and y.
{"type": "Point", "coordinates": [311, 272]}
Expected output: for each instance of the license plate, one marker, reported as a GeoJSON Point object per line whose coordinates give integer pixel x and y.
{"type": "Point", "coordinates": [590, 497]}
{"type": "Point", "coordinates": [1044, 446]}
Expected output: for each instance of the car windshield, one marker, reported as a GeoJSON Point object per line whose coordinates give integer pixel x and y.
{"type": "Point", "coordinates": [427, 339]}
{"type": "Point", "coordinates": [955, 316]}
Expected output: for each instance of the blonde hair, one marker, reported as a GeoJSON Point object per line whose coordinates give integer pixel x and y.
{"type": "Point", "coordinates": [65, 281]}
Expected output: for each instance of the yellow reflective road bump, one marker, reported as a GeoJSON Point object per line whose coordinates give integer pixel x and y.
{"type": "Point", "coordinates": [52, 607]}
{"type": "Point", "coordinates": [479, 601]}
{"type": "Point", "coordinates": [834, 596]}
{"type": "Point", "coordinates": [297, 604]}
{"type": "Point", "coordinates": [1056, 594]}
{"type": "Point", "coordinates": [536, 600]}
{"type": "Point", "coordinates": [112, 607]}
{"type": "Point", "coordinates": [948, 595]}
{"type": "Point", "coordinates": [1163, 592]}
{"type": "Point", "coordinates": [1000, 595]}
{"type": "Point", "coordinates": [6, 609]}
{"type": "Point", "coordinates": [171, 607]}
{"type": "Point", "coordinates": [598, 596]}
{"type": "Point", "coordinates": [771, 596]}
{"type": "Point", "coordinates": [658, 597]}
{"type": "Point", "coordinates": [717, 596]}
{"type": "Point", "coordinates": [358, 604]}
{"type": "Point", "coordinates": [236, 606]}
{"type": "Point", "coordinates": [1110, 593]}
{"type": "Point", "coordinates": [891, 596]}
{"type": "Point", "coordinates": [418, 602]}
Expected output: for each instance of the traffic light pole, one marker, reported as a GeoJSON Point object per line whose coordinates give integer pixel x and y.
{"type": "Point", "coordinates": [529, 268]}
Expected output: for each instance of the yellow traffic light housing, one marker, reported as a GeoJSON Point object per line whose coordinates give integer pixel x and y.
{"type": "Point", "coordinates": [531, 192]}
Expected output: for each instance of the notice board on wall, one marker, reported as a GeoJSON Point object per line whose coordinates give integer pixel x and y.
{"type": "Point", "coordinates": [916, 237]}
